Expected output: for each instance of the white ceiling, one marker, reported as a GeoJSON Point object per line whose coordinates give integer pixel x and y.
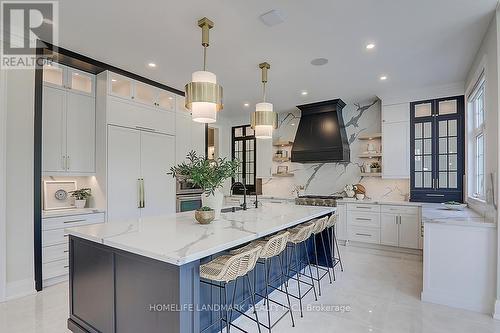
{"type": "Point", "coordinates": [418, 43]}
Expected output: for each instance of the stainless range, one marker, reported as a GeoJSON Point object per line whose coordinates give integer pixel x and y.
{"type": "Point", "coordinates": [318, 200]}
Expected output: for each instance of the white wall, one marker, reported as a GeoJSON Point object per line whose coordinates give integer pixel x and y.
{"type": "Point", "coordinates": [3, 245]}
{"type": "Point", "coordinates": [19, 182]}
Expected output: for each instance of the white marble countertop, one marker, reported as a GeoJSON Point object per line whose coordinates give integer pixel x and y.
{"type": "Point", "coordinates": [69, 212]}
{"type": "Point", "coordinates": [178, 239]}
{"type": "Point", "coordinates": [437, 213]}
{"type": "Point", "coordinates": [381, 202]}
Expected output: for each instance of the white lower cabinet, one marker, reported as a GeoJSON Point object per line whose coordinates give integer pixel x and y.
{"type": "Point", "coordinates": [341, 225]}
{"type": "Point", "coordinates": [55, 244]}
{"type": "Point", "coordinates": [392, 225]}
{"type": "Point", "coordinates": [138, 183]}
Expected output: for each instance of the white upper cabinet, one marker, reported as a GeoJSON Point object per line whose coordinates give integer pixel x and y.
{"type": "Point", "coordinates": [396, 140]}
{"type": "Point", "coordinates": [140, 92]}
{"type": "Point", "coordinates": [68, 129]}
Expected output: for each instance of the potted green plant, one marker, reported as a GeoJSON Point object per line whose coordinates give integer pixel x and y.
{"type": "Point", "coordinates": [375, 167]}
{"type": "Point", "coordinates": [207, 174]}
{"type": "Point", "coordinates": [81, 196]}
{"type": "Point", "coordinates": [204, 215]}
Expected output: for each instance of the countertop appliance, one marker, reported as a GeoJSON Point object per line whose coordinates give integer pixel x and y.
{"type": "Point", "coordinates": [318, 200]}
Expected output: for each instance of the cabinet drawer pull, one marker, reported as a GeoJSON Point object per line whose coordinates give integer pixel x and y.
{"type": "Point", "coordinates": [363, 207]}
{"type": "Point", "coordinates": [362, 219]}
{"type": "Point", "coordinates": [66, 251]}
{"type": "Point", "coordinates": [74, 221]}
{"type": "Point", "coordinates": [67, 266]}
{"type": "Point", "coordinates": [66, 235]}
{"type": "Point", "coordinates": [435, 195]}
{"type": "Point", "coordinates": [360, 234]}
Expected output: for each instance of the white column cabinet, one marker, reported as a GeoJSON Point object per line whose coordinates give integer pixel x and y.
{"type": "Point", "coordinates": [396, 140]}
{"type": "Point", "coordinates": [124, 172]}
{"type": "Point", "coordinates": [54, 130]}
{"type": "Point", "coordinates": [409, 230]}
{"type": "Point", "coordinates": [156, 159]}
{"type": "Point", "coordinates": [136, 156]}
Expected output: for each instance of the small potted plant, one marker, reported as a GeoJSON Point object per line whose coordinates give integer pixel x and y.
{"type": "Point", "coordinates": [375, 167]}
{"type": "Point", "coordinates": [204, 215]}
{"type": "Point", "coordinates": [210, 175]}
{"type": "Point", "coordinates": [81, 196]}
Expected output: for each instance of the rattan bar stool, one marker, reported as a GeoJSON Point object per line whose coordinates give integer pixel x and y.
{"type": "Point", "coordinates": [272, 248]}
{"type": "Point", "coordinates": [225, 269]}
{"type": "Point", "coordinates": [333, 244]}
{"type": "Point", "coordinates": [318, 227]}
{"type": "Point", "coordinates": [299, 235]}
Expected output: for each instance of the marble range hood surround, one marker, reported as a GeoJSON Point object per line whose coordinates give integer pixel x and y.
{"type": "Point", "coordinates": [321, 134]}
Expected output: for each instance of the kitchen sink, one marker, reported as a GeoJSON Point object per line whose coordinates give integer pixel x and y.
{"type": "Point", "coordinates": [230, 209]}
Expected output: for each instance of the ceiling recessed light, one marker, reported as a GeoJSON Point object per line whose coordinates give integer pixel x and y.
{"type": "Point", "coordinates": [293, 124]}
{"type": "Point", "coordinates": [370, 46]}
{"type": "Point", "coordinates": [152, 65]}
{"type": "Point", "coordinates": [246, 105]}
{"type": "Point", "coordinates": [383, 78]}
{"type": "Point", "coordinates": [304, 93]}
{"type": "Point", "coordinates": [170, 98]}
{"type": "Point", "coordinates": [113, 80]}
{"type": "Point", "coordinates": [273, 17]}
{"type": "Point", "coordinates": [319, 61]}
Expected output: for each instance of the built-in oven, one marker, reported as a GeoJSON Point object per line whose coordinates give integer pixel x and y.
{"type": "Point", "coordinates": [188, 202]}
{"type": "Point", "coordinates": [186, 187]}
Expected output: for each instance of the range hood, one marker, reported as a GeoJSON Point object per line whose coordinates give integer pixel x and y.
{"type": "Point", "coordinates": [321, 135]}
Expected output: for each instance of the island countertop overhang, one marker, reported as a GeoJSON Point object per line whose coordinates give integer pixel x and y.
{"type": "Point", "coordinates": [178, 239]}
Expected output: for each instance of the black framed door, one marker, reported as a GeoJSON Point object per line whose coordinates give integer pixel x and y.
{"type": "Point", "coordinates": [437, 146]}
{"type": "Point", "coordinates": [244, 148]}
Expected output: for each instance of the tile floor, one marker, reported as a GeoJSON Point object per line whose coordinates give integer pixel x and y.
{"type": "Point", "coordinates": [381, 288]}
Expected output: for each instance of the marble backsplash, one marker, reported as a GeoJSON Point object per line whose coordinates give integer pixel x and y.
{"type": "Point", "coordinates": [330, 178]}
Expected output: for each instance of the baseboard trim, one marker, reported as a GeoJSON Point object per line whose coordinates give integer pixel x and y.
{"type": "Point", "coordinates": [496, 314]}
{"type": "Point", "coordinates": [476, 305]}
{"type": "Point", "coordinates": [18, 289]}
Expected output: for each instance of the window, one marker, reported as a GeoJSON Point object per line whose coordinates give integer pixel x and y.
{"type": "Point", "coordinates": [477, 138]}
{"type": "Point", "coordinates": [244, 149]}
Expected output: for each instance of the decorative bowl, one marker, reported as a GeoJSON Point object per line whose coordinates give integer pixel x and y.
{"type": "Point", "coordinates": [454, 205]}
{"type": "Point", "coordinates": [360, 196]}
{"type": "Point", "coordinates": [204, 216]}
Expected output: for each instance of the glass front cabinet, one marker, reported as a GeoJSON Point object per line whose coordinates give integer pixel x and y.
{"type": "Point", "coordinates": [437, 150]}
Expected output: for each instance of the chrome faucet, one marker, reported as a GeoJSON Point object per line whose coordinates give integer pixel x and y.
{"type": "Point", "coordinates": [244, 204]}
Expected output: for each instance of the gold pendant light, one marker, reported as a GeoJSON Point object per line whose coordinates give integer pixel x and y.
{"type": "Point", "coordinates": [264, 120]}
{"type": "Point", "coordinates": [203, 94]}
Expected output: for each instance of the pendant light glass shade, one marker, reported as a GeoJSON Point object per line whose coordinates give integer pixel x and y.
{"type": "Point", "coordinates": [203, 94]}
{"type": "Point", "coordinates": [264, 119]}
{"type": "Point", "coordinates": [203, 111]}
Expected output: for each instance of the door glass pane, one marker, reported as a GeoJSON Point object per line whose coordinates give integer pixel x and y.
{"type": "Point", "coordinates": [452, 145]}
{"type": "Point", "coordinates": [452, 127]}
{"type": "Point", "coordinates": [53, 74]}
{"type": "Point", "coordinates": [166, 100]}
{"type": "Point", "coordinates": [238, 132]}
{"type": "Point", "coordinates": [81, 82]}
{"type": "Point", "coordinates": [423, 110]}
{"type": "Point", "coordinates": [427, 130]}
{"type": "Point", "coordinates": [452, 180]}
{"type": "Point", "coordinates": [418, 130]}
{"type": "Point", "coordinates": [443, 131]}
{"type": "Point", "coordinates": [443, 145]}
{"type": "Point", "coordinates": [121, 86]}
{"type": "Point", "coordinates": [249, 131]}
{"type": "Point", "coordinates": [418, 147]}
{"type": "Point", "coordinates": [145, 93]}
{"type": "Point", "coordinates": [428, 163]}
{"type": "Point", "coordinates": [418, 179]}
{"type": "Point", "coordinates": [443, 180]}
{"type": "Point", "coordinates": [452, 162]}
{"type": "Point", "coordinates": [428, 179]}
{"type": "Point", "coordinates": [418, 163]}
{"type": "Point", "coordinates": [427, 146]}
{"type": "Point", "coordinates": [448, 107]}
{"type": "Point", "coordinates": [443, 163]}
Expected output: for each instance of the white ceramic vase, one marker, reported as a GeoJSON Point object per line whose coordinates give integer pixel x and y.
{"type": "Point", "coordinates": [213, 201]}
{"type": "Point", "coordinates": [80, 203]}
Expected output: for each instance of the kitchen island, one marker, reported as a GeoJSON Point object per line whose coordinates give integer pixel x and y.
{"type": "Point", "coordinates": [143, 275]}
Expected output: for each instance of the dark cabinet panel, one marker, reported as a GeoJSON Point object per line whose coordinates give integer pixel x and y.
{"type": "Point", "coordinates": [437, 146]}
